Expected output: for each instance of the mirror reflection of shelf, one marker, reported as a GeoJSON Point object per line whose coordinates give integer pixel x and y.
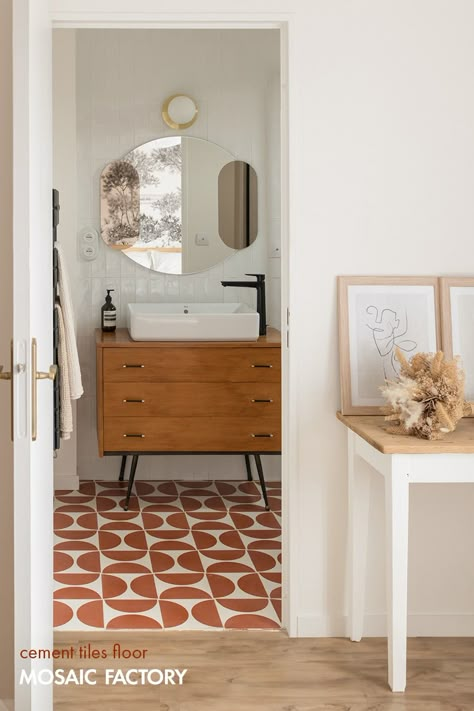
{"type": "Point", "coordinates": [174, 250]}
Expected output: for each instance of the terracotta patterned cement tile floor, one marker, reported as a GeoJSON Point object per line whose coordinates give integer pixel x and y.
{"type": "Point", "coordinates": [187, 555]}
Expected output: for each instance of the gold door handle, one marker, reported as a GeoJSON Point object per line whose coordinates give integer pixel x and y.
{"type": "Point", "coordinates": [50, 375]}
{"type": "Point", "coordinates": [9, 376]}
{"type": "Point", "coordinates": [4, 376]}
{"type": "Point", "coordinates": [35, 376]}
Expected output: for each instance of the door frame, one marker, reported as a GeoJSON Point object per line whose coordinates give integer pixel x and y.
{"type": "Point", "coordinates": [285, 23]}
{"type": "Point", "coordinates": [32, 318]}
{"type": "Point", "coordinates": [6, 319]}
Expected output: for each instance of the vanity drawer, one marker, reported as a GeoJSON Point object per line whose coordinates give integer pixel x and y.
{"type": "Point", "coordinates": [205, 365]}
{"type": "Point", "coordinates": [192, 434]}
{"type": "Point", "coordinates": [191, 399]}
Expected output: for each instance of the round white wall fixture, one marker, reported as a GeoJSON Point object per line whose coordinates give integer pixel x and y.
{"type": "Point", "coordinates": [179, 111]}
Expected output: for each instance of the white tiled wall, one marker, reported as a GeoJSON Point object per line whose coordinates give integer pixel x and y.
{"type": "Point", "coordinates": [122, 78]}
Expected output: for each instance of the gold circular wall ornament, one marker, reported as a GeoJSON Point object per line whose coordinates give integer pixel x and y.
{"type": "Point", "coordinates": [179, 111]}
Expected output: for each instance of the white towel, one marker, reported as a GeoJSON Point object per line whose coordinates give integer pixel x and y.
{"type": "Point", "coordinates": [65, 420]}
{"type": "Point", "coordinates": [70, 344]}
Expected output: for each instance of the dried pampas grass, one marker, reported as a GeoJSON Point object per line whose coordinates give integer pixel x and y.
{"type": "Point", "coordinates": [427, 400]}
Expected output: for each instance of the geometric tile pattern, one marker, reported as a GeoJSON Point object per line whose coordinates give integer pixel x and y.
{"type": "Point", "coordinates": [186, 555]}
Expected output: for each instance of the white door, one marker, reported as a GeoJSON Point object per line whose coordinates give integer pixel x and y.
{"type": "Point", "coordinates": [32, 319]}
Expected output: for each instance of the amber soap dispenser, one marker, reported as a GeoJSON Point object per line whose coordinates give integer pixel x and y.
{"type": "Point", "coordinates": [109, 314]}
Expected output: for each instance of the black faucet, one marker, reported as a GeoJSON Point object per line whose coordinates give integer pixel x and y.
{"type": "Point", "coordinates": [259, 285]}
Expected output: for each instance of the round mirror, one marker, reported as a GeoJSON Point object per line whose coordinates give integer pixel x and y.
{"type": "Point", "coordinates": [197, 205]}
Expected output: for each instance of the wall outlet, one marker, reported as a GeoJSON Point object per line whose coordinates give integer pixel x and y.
{"type": "Point", "coordinates": [275, 253]}
{"type": "Point", "coordinates": [201, 239]}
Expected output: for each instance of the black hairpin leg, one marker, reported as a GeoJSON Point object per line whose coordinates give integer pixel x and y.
{"type": "Point", "coordinates": [248, 466]}
{"type": "Point", "coordinates": [122, 468]}
{"type": "Point", "coordinates": [131, 478]}
{"type": "Point", "coordinates": [258, 462]}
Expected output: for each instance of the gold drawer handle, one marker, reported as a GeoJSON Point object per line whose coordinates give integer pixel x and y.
{"type": "Point", "coordinates": [134, 435]}
{"type": "Point", "coordinates": [132, 365]}
{"type": "Point", "coordinates": [262, 435]}
{"type": "Point", "coordinates": [262, 365]}
{"type": "Point", "coordinates": [262, 400]}
{"type": "Point", "coordinates": [130, 400]}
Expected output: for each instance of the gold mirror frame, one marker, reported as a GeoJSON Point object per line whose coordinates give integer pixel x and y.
{"type": "Point", "coordinates": [167, 118]}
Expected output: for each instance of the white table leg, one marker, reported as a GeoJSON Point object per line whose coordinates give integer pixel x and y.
{"type": "Point", "coordinates": [396, 532]}
{"type": "Point", "coordinates": [358, 503]}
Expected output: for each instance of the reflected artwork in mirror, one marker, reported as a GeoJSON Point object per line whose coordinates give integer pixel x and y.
{"type": "Point", "coordinates": [188, 206]}
{"type": "Point", "coordinates": [120, 205]}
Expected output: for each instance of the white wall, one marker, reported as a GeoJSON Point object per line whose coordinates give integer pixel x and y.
{"type": "Point", "coordinates": [121, 80]}
{"type": "Point", "coordinates": [385, 151]}
{"type": "Point", "coordinates": [272, 190]}
{"type": "Point", "coordinates": [382, 179]}
{"type": "Point", "coordinates": [65, 181]}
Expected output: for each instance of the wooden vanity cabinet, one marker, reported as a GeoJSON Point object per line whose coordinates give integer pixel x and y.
{"type": "Point", "coordinates": [195, 396]}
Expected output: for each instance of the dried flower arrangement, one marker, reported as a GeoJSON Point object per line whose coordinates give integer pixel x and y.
{"type": "Point", "coordinates": [427, 400]}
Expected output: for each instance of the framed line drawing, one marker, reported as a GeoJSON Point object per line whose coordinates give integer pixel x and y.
{"type": "Point", "coordinates": [377, 315]}
{"type": "Point", "coordinates": [457, 324]}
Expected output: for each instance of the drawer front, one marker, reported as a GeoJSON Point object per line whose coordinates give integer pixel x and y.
{"type": "Point", "coordinates": [191, 399]}
{"type": "Point", "coordinates": [198, 365]}
{"type": "Point", "coordinates": [192, 434]}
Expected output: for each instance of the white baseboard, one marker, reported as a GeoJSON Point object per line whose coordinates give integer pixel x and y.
{"type": "Point", "coordinates": [67, 482]}
{"type": "Point", "coordinates": [419, 625]}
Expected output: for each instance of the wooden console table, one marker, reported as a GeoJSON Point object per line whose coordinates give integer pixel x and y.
{"type": "Point", "coordinates": [401, 461]}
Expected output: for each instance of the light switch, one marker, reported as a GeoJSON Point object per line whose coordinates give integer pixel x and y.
{"type": "Point", "coordinates": [89, 252]}
{"type": "Point", "coordinates": [89, 236]}
{"type": "Point", "coordinates": [88, 244]}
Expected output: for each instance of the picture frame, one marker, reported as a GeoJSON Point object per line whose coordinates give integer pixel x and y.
{"type": "Point", "coordinates": [457, 326]}
{"type": "Point", "coordinates": [376, 315]}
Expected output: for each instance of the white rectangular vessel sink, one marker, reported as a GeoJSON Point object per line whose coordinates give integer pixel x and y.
{"type": "Point", "coordinates": [192, 322]}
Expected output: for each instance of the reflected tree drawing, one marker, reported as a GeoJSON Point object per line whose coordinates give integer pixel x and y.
{"type": "Point", "coordinates": [120, 204]}
{"type": "Point", "coordinates": [160, 209]}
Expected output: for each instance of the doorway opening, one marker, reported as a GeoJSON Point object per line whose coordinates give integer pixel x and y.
{"type": "Point", "coordinates": [198, 547]}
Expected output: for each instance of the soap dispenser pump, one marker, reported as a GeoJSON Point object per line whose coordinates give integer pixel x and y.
{"type": "Point", "coordinates": [109, 313]}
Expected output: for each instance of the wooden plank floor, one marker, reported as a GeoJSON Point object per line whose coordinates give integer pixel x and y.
{"type": "Point", "coordinates": [266, 671]}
